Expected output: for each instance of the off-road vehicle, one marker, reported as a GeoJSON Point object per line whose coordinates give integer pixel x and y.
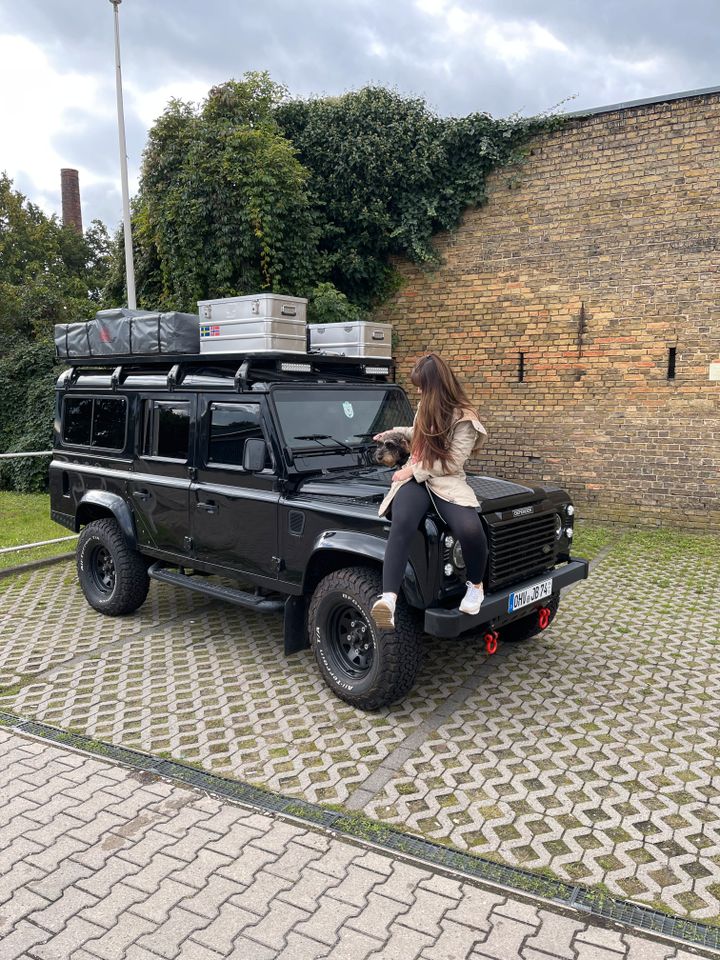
{"type": "Point", "coordinates": [252, 480]}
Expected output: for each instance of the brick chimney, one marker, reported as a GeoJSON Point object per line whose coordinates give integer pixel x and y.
{"type": "Point", "coordinates": [70, 190]}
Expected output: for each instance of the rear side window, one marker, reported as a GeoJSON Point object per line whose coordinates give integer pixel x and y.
{"type": "Point", "coordinates": [95, 422]}
{"type": "Point", "coordinates": [231, 425]}
{"type": "Point", "coordinates": [168, 430]}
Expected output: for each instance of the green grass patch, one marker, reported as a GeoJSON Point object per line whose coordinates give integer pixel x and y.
{"type": "Point", "coordinates": [25, 518]}
{"type": "Point", "coordinates": [591, 538]}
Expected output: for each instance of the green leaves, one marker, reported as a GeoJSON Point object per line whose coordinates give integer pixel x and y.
{"type": "Point", "coordinates": [254, 191]}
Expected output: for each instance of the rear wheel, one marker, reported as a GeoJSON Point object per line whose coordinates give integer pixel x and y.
{"type": "Point", "coordinates": [365, 666]}
{"type": "Point", "coordinates": [528, 627]}
{"type": "Point", "coordinates": [112, 575]}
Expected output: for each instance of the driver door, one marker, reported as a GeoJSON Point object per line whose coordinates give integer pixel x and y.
{"type": "Point", "coordinates": [233, 512]}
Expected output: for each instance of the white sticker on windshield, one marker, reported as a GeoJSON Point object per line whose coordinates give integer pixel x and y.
{"type": "Point", "coordinates": [348, 410]}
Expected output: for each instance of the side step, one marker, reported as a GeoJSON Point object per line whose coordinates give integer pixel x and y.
{"type": "Point", "coordinates": [241, 597]}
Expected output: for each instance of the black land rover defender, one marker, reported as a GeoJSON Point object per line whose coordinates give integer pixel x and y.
{"type": "Point", "coordinates": [259, 470]}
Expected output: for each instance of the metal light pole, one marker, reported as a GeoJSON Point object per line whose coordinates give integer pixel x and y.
{"type": "Point", "coordinates": [129, 262]}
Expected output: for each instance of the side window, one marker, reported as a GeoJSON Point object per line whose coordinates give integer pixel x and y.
{"type": "Point", "coordinates": [77, 420]}
{"type": "Point", "coordinates": [95, 422]}
{"type": "Point", "coordinates": [168, 430]}
{"type": "Point", "coordinates": [109, 423]}
{"type": "Point", "coordinates": [231, 424]}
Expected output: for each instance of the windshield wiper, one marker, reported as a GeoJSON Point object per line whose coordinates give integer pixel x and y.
{"type": "Point", "coordinates": [319, 437]}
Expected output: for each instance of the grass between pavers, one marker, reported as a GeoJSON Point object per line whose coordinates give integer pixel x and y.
{"type": "Point", "coordinates": [25, 518]}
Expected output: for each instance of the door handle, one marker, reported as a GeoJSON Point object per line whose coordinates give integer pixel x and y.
{"type": "Point", "coordinates": [208, 506]}
{"type": "Point", "coordinates": [141, 494]}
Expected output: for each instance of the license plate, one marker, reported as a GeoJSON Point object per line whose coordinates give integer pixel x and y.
{"type": "Point", "coordinates": [521, 598]}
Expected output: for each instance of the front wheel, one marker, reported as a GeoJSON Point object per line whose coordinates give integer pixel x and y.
{"type": "Point", "coordinates": [363, 665]}
{"type": "Point", "coordinates": [112, 575]}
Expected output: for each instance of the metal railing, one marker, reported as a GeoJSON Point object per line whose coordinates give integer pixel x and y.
{"type": "Point", "coordinates": [41, 543]}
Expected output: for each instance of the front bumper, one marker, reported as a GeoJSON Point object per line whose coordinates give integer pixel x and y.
{"type": "Point", "coordinates": [494, 610]}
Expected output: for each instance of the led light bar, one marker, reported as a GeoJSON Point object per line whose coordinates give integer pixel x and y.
{"type": "Point", "coordinates": [376, 371]}
{"type": "Point", "coordinates": [296, 367]}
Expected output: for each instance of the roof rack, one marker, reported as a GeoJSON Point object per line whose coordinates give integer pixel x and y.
{"type": "Point", "coordinates": [247, 368]}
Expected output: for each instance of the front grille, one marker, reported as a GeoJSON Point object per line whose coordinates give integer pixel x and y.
{"type": "Point", "coordinates": [521, 548]}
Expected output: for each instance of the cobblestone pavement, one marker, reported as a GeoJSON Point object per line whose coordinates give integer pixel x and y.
{"type": "Point", "coordinates": [98, 862]}
{"type": "Point", "coordinates": [590, 753]}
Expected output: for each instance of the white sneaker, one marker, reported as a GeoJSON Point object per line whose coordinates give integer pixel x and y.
{"type": "Point", "coordinates": [383, 611]}
{"type": "Point", "coordinates": [472, 601]}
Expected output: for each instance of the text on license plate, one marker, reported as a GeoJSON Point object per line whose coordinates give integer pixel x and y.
{"type": "Point", "coordinates": [521, 598]}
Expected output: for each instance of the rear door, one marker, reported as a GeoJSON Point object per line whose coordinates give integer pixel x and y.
{"type": "Point", "coordinates": [234, 513]}
{"type": "Point", "coordinates": [159, 485]}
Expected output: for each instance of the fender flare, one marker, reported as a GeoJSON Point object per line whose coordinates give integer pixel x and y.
{"type": "Point", "coordinates": [364, 545]}
{"type": "Point", "coordinates": [116, 506]}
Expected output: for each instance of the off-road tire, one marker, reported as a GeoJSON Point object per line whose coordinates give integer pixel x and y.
{"type": "Point", "coordinates": [527, 627]}
{"type": "Point", "coordinates": [394, 655]}
{"type": "Point", "coordinates": [112, 575]}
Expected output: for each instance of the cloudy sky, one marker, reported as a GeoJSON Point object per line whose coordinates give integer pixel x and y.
{"type": "Point", "coordinates": [57, 95]}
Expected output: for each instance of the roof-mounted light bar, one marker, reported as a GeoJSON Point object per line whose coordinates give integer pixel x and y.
{"type": "Point", "coordinates": [288, 367]}
{"type": "Point", "coordinates": [376, 371]}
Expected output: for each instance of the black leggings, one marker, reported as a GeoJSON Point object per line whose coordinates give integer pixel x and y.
{"type": "Point", "coordinates": [409, 506]}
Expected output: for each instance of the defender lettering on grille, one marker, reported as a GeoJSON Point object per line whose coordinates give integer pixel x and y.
{"type": "Point", "coordinates": [522, 511]}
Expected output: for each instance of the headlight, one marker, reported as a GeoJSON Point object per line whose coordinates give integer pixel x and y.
{"type": "Point", "coordinates": [569, 510]}
{"type": "Point", "coordinates": [456, 555]}
{"type": "Point", "coordinates": [449, 541]}
{"type": "Point", "coordinates": [569, 533]}
{"type": "Point", "coordinates": [558, 526]}
{"type": "Point", "coordinates": [449, 570]}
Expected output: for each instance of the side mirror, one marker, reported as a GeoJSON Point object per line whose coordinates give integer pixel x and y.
{"type": "Point", "coordinates": [254, 454]}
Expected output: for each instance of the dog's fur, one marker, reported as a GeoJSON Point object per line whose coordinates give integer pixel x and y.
{"type": "Point", "coordinates": [393, 451]}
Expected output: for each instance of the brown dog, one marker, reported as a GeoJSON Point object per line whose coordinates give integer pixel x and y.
{"type": "Point", "coordinates": [393, 450]}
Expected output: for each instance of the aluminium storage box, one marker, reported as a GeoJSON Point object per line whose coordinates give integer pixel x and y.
{"type": "Point", "coordinates": [360, 339]}
{"type": "Point", "coordinates": [265, 335]}
{"type": "Point", "coordinates": [254, 307]}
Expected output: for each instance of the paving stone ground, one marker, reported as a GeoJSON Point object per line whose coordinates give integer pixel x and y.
{"type": "Point", "coordinates": [590, 753]}
{"type": "Point", "coordinates": [98, 862]}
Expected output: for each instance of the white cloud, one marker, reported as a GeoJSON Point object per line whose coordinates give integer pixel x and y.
{"type": "Point", "coordinates": [38, 103]}
{"type": "Point", "coordinates": [149, 104]}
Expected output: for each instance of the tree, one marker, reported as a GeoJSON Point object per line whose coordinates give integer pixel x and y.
{"type": "Point", "coordinates": [223, 207]}
{"type": "Point", "coordinates": [48, 273]}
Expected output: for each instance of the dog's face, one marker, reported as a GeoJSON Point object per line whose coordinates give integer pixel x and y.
{"type": "Point", "coordinates": [393, 451]}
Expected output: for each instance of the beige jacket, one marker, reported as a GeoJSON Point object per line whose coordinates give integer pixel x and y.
{"type": "Point", "coordinates": [466, 438]}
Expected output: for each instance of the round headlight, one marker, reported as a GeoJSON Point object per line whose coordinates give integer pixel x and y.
{"type": "Point", "coordinates": [569, 510]}
{"type": "Point", "coordinates": [449, 541]}
{"type": "Point", "coordinates": [449, 569]}
{"type": "Point", "coordinates": [558, 526]}
{"type": "Point", "coordinates": [569, 533]}
{"type": "Point", "coordinates": [456, 556]}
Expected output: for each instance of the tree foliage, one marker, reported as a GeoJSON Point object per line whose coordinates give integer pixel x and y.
{"type": "Point", "coordinates": [223, 207]}
{"type": "Point", "coordinates": [253, 191]}
{"type": "Point", "coordinates": [48, 273]}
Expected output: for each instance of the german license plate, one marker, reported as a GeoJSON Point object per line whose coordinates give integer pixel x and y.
{"type": "Point", "coordinates": [521, 598]}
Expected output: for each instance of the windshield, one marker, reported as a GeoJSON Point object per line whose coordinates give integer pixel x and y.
{"type": "Point", "coordinates": [338, 416]}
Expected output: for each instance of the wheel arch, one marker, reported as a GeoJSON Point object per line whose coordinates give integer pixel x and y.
{"type": "Point", "coordinates": [334, 550]}
{"type": "Point", "coordinates": [98, 505]}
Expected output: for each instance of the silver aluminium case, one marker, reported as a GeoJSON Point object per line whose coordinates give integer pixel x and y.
{"type": "Point", "coordinates": [253, 336]}
{"type": "Point", "coordinates": [254, 307]}
{"type": "Point", "coordinates": [360, 339]}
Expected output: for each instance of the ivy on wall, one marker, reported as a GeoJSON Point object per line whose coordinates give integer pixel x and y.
{"type": "Point", "coordinates": [255, 191]}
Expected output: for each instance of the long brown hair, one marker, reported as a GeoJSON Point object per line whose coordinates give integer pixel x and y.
{"type": "Point", "coordinates": [442, 398]}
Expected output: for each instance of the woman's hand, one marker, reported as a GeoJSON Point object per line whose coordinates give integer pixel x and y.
{"type": "Point", "coordinates": [401, 475]}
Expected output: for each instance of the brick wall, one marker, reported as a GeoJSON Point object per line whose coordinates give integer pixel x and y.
{"type": "Point", "coordinates": [593, 259]}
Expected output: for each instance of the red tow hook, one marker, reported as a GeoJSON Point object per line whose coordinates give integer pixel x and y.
{"type": "Point", "coordinates": [491, 642]}
{"type": "Point", "coordinates": [544, 614]}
